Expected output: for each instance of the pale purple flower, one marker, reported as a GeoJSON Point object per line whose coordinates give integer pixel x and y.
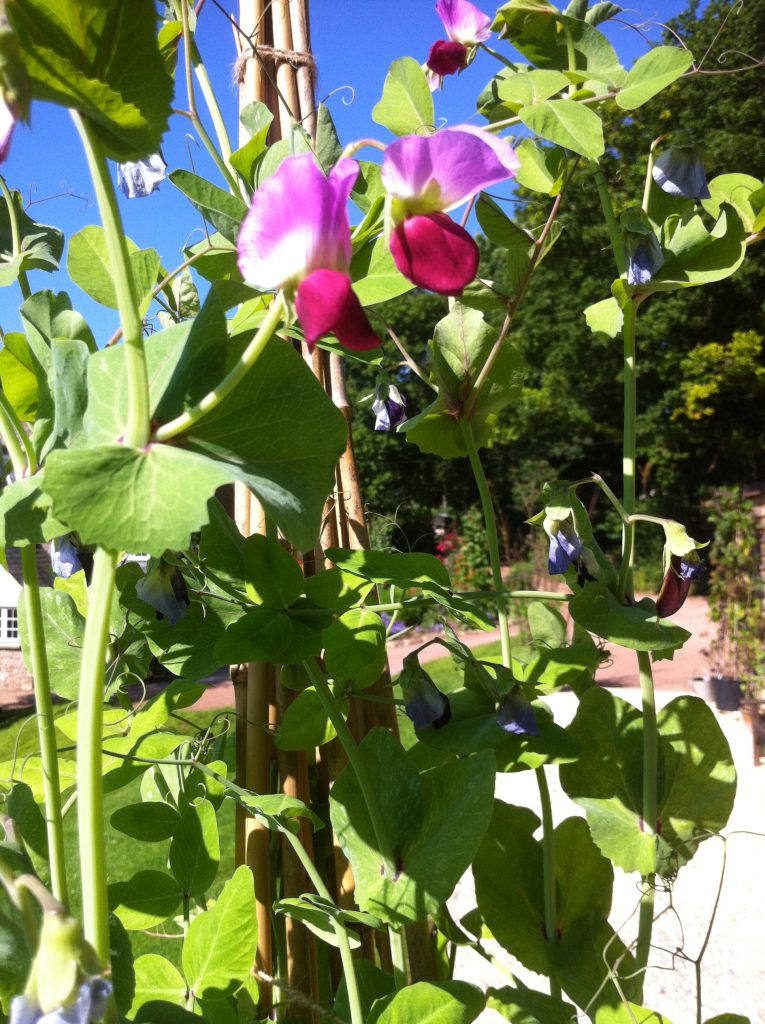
{"type": "Point", "coordinates": [90, 1005]}
{"type": "Point", "coordinates": [427, 176]}
{"type": "Point", "coordinates": [7, 124]}
{"type": "Point", "coordinates": [64, 558]}
{"type": "Point", "coordinates": [516, 714]}
{"type": "Point", "coordinates": [164, 589]}
{"type": "Point", "coordinates": [296, 237]}
{"type": "Point", "coordinates": [679, 171]}
{"type": "Point", "coordinates": [142, 177]}
{"type": "Point", "coordinates": [463, 21]}
{"type": "Point", "coordinates": [389, 408]}
{"type": "Point", "coordinates": [424, 703]}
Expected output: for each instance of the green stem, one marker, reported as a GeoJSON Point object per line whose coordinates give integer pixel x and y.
{"type": "Point", "coordinates": [358, 765]}
{"type": "Point", "coordinates": [650, 812]}
{"type": "Point", "coordinates": [26, 291]}
{"type": "Point", "coordinates": [190, 52]}
{"type": "Point", "coordinates": [570, 56]}
{"type": "Point", "coordinates": [498, 56]}
{"type": "Point", "coordinates": [492, 538]}
{"type": "Point", "coordinates": [12, 438]}
{"type": "Point", "coordinates": [349, 969]}
{"type": "Point", "coordinates": [90, 796]}
{"type": "Point", "coordinates": [235, 375]}
{"type": "Point", "coordinates": [139, 412]}
{"type": "Point", "coordinates": [628, 458]}
{"type": "Point", "coordinates": [46, 729]}
{"type": "Point", "coordinates": [611, 224]}
{"type": "Point", "coordinates": [424, 601]}
{"type": "Point", "coordinates": [548, 862]}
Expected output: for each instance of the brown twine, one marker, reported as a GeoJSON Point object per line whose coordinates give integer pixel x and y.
{"type": "Point", "coordinates": [272, 55]}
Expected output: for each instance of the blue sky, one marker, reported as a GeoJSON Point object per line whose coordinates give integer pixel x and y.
{"type": "Point", "coordinates": [354, 42]}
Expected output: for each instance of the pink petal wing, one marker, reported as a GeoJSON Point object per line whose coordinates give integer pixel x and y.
{"type": "Point", "coordinates": [464, 22]}
{"type": "Point", "coordinates": [297, 222]}
{"type": "Point", "coordinates": [435, 253]}
{"type": "Point", "coordinates": [453, 165]}
{"type": "Point", "coordinates": [327, 304]}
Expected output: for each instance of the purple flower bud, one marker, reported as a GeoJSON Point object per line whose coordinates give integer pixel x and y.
{"type": "Point", "coordinates": [681, 573]}
{"type": "Point", "coordinates": [516, 714]}
{"type": "Point", "coordinates": [447, 57]}
{"type": "Point", "coordinates": [163, 588]}
{"type": "Point", "coordinates": [565, 549]}
{"type": "Point", "coordinates": [64, 558]}
{"type": "Point", "coordinates": [424, 703]}
{"type": "Point", "coordinates": [679, 171]}
{"type": "Point", "coordinates": [389, 408]}
{"type": "Point", "coordinates": [142, 177]}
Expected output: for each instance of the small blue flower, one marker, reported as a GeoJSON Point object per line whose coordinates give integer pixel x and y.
{"type": "Point", "coordinates": [641, 247]}
{"type": "Point", "coordinates": [64, 558]}
{"type": "Point", "coordinates": [679, 171]}
{"type": "Point", "coordinates": [90, 1005]}
{"type": "Point", "coordinates": [424, 703]}
{"type": "Point", "coordinates": [142, 177]}
{"type": "Point", "coordinates": [389, 407]}
{"type": "Point", "coordinates": [163, 588]}
{"type": "Point", "coordinates": [565, 549]}
{"type": "Point", "coordinates": [516, 714]}
{"type": "Point", "coordinates": [689, 570]}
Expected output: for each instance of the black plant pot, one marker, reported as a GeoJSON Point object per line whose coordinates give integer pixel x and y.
{"type": "Point", "coordinates": [723, 691]}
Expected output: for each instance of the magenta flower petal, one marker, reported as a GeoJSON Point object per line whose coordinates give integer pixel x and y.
{"type": "Point", "coordinates": [297, 223]}
{"type": "Point", "coordinates": [446, 58]}
{"type": "Point", "coordinates": [435, 253]}
{"type": "Point", "coordinates": [7, 124]}
{"type": "Point", "coordinates": [440, 172]}
{"type": "Point", "coordinates": [463, 22]}
{"type": "Point", "coordinates": [326, 304]}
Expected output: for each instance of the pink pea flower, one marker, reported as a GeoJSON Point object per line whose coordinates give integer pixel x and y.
{"type": "Point", "coordinates": [466, 27]}
{"type": "Point", "coordinates": [7, 124]}
{"type": "Point", "coordinates": [425, 178]}
{"type": "Point", "coordinates": [296, 237]}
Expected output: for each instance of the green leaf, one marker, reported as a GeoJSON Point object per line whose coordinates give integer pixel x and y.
{"type": "Point", "coordinates": [40, 246]}
{"type": "Point", "coordinates": [542, 34]}
{"type": "Point", "coordinates": [18, 377]}
{"type": "Point", "coordinates": [652, 73]}
{"type": "Point", "coordinates": [547, 625]}
{"type": "Point", "coordinates": [453, 1002]}
{"type": "Point", "coordinates": [542, 168]}
{"type": "Point", "coordinates": [188, 647]}
{"type": "Point", "coordinates": [272, 576]}
{"type": "Point", "coordinates": [696, 782]}
{"type": "Point", "coordinates": [354, 647]}
{"type": "Point", "coordinates": [25, 514]}
{"type": "Point", "coordinates": [406, 104]}
{"type": "Point", "coordinates": [261, 634]}
{"type": "Point", "coordinates": [88, 266]}
{"type": "Point", "coordinates": [256, 118]}
{"type": "Point", "coordinates": [15, 960]}
{"type": "Point", "coordinates": [64, 629]}
{"type": "Point", "coordinates": [223, 210]}
{"type": "Point", "coordinates": [461, 345]}
{"type": "Point", "coordinates": [156, 978]}
{"type": "Point", "coordinates": [638, 627]}
{"type": "Point", "coordinates": [511, 90]}
{"type": "Point", "coordinates": [628, 1013]}
{"type": "Point", "coordinates": [401, 570]}
{"type": "Point", "coordinates": [328, 146]}
{"type": "Point", "coordinates": [434, 822]}
{"type": "Point", "coordinates": [567, 124]}
{"type": "Point", "coordinates": [605, 317]}
{"type": "Point", "coordinates": [220, 946]}
{"type": "Point", "coordinates": [509, 881]}
{"type": "Point", "coordinates": [498, 227]}
{"type": "Point", "coordinates": [28, 819]}
{"type": "Point", "coordinates": [375, 275]}
{"type": "Point", "coordinates": [523, 1005]}
{"type": "Point", "coordinates": [696, 256]}
{"type": "Point", "coordinates": [141, 511]}
{"type": "Point", "coordinates": [148, 822]}
{"type": "Point", "coordinates": [372, 983]}
{"type": "Point", "coordinates": [146, 900]}
{"type": "Point", "coordinates": [740, 190]}
{"type": "Point", "coordinates": [195, 849]}
{"type": "Point", "coordinates": [304, 724]}
{"type": "Point", "coordinates": [104, 62]}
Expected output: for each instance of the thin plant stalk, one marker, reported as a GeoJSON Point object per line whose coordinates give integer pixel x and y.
{"type": "Point", "coordinates": [492, 540]}
{"type": "Point", "coordinates": [359, 767]}
{"type": "Point", "coordinates": [650, 812]}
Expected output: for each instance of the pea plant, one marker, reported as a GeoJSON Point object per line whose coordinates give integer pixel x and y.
{"type": "Point", "coordinates": [358, 804]}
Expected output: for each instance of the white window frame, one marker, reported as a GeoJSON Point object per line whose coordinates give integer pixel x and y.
{"type": "Point", "coordinates": [9, 627]}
